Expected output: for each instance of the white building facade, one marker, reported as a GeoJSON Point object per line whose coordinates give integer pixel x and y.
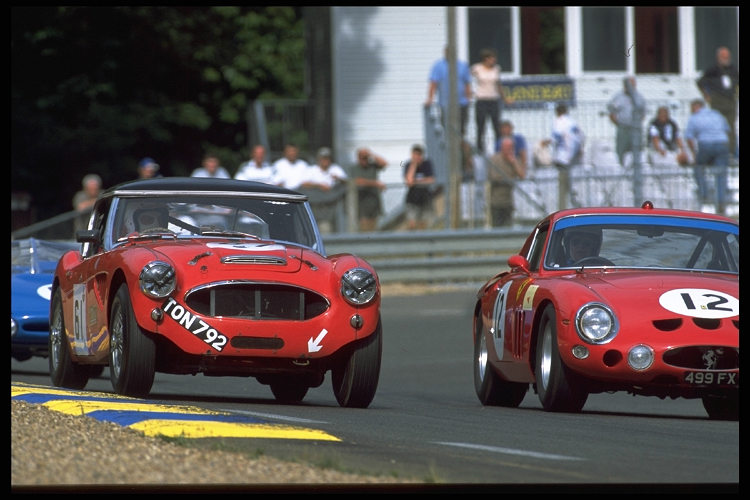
{"type": "Point", "coordinates": [381, 58]}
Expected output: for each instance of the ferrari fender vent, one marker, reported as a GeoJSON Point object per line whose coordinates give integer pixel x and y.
{"type": "Point", "coordinates": [703, 357]}
{"type": "Point", "coordinates": [257, 301]}
{"type": "Point", "coordinates": [273, 343]}
{"type": "Point", "coordinates": [667, 325]}
{"type": "Point", "coordinates": [254, 259]}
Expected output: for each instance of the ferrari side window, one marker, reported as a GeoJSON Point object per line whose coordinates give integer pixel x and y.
{"type": "Point", "coordinates": [535, 253]}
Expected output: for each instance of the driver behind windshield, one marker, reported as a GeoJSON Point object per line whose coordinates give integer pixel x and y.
{"type": "Point", "coordinates": [582, 242]}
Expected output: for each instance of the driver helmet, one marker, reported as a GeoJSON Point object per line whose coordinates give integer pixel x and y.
{"type": "Point", "coordinates": [591, 233]}
{"type": "Point", "coordinates": [150, 217]}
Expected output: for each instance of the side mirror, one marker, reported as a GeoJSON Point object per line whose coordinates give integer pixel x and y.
{"type": "Point", "coordinates": [518, 261]}
{"type": "Point", "coordinates": [88, 236]}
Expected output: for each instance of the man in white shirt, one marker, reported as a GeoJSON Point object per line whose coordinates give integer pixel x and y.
{"type": "Point", "coordinates": [325, 186]}
{"type": "Point", "coordinates": [325, 174]}
{"type": "Point", "coordinates": [211, 168]}
{"type": "Point", "coordinates": [257, 168]}
{"type": "Point", "coordinates": [291, 171]}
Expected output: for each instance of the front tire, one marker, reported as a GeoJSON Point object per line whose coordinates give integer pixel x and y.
{"type": "Point", "coordinates": [559, 389]}
{"type": "Point", "coordinates": [62, 370]}
{"type": "Point", "coordinates": [723, 408]}
{"type": "Point", "coordinates": [355, 380]}
{"type": "Point", "coordinates": [132, 355]}
{"type": "Point", "coordinates": [491, 389]}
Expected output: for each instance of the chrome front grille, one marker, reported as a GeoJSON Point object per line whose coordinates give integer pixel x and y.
{"type": "Point", "coordinates": [257, 301]}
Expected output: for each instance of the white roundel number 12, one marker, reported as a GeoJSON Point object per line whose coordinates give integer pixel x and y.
{"type": "Point", "coordinates": [498, 317]}
{"type": "Point", "coordinates": [700, 303]}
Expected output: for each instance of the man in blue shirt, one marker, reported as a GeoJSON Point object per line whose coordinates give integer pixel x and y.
{"type": "Point", "coordinates": [440, 84]}
{"type": "Point", "coordinates": [707, 134]}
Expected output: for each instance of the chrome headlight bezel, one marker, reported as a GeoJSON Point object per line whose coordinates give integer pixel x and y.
{"type": "Point", "coordinates": [640, 357]}
{"type": "Point", "coordinates": [595, 323]}
{"type": "Point", "coordinates": [157, 279]}
{"type": "Point", "coordinates": [359, 286]}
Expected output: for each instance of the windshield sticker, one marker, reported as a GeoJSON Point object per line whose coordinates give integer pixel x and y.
{"type": "Point", "coordinates": [250, 247]}
{"type": "Point", "coordinates": [700, 303]}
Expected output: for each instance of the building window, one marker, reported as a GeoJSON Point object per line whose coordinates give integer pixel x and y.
{"type": "Point", "coordinates": [656, 40]}
{"type": "Point", "coordinates": [604, 39]}
{"type": "Point", "coordinates": [490, 28]}
{"type": "Point", "coordinates": [715, 27]}
{"type": "Point", "coordinates": [543, 41]}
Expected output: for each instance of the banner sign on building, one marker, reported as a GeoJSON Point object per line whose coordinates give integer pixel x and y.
{"type": "Point", "coordinates": [538, 92]}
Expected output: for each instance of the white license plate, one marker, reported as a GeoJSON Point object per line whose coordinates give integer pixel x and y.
{"type": "Point", "coordinates": [712, 378]}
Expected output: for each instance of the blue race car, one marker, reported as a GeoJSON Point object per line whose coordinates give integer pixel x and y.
{"type": "Point", "coordinates": [32, 268]}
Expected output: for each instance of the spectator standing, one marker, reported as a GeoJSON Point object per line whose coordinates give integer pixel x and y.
{"type": "Point", "coordinates": [257, 168]}
{"type": "Point", "coordinates": [520, 148]}
{"type": "Point", "coordinates": [720, 85]}
{"type": "Point", "coordinates": [291, 170]}
{"type": "Point", "coordinates": [83, 200]}
{"type": "Point", "coordinates": [369, 188]}
{"type": "Point", "coordinates": [419, 176]}
{"type": "Point", "coordinates": [627, 109]}
{"type": "Point", "coordinates": [504, 168]}
{"type": "Point", "coordinates": [707, 134]}
{"type": "Point", "coordinates": [211, 168]}
{"type": "Point", "coordinates": [489, 94]}
{"type": "Point", "coordinates": [148, 168]}
{"type": "Point", "coordinates": [325, 174]}
{"type": "Point", "coordinates": [567, 151]}
{"type": "Point", "coordinates": [666, 148]}
{"type": "Point", "coordinates": [439, 83]}
{"type": "Point", "coordinates": [327, 182]}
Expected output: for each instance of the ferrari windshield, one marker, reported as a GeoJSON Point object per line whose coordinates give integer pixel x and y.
{"type": "Point", "coordinates": [665, 242]}
{"type": "Point", "coordinates": [198, 215]}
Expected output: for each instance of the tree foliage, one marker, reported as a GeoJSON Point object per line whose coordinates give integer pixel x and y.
{"type": "Point", "coordinates": [93, 89]}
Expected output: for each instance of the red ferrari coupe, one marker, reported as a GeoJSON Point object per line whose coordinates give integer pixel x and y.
{"type": "Point", "coordinates": [220, 277]}
{"type": "Point", "coordinates": [642, 300]}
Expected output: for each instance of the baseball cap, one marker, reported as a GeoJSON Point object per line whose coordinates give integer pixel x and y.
{"type": "Point", "coordinates": [148, 162]}
{"type": "Point", "coordinates": [324, 152]}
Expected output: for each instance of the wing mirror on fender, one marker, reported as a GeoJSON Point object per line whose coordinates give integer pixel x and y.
{"type": "Point", "coordinates": [518, 261]}
{"type": "Point", "coordinates": [87, 236]}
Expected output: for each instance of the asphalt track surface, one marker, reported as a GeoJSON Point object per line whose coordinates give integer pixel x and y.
{"type": "Point", "coordinates": [426, 420]}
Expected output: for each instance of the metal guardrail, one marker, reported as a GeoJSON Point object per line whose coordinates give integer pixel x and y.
{"type": "Point", "coordinates": [433, 256]}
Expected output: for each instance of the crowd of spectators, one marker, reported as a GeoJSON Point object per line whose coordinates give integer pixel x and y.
{"type": "Point", "coordinates": [708, 144]}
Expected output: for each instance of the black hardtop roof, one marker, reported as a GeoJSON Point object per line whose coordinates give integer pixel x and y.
{"type": "Point", "coordinates": [188, 184]}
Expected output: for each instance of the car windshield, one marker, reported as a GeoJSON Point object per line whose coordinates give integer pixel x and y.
{"type": "Point", "coordinates": [198, 215]}
{"type": "Point", "coordinates": [662, 242]}
{"type": "Point", "coordinates": [36, 256]}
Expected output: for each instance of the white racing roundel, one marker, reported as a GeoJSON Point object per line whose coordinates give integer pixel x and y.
{"type": "Point", "coordinates": [700, 303]}
{"type": "Point", "coordinates": [45, 291]}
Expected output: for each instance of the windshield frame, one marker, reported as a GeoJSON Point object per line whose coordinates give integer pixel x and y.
{"type": "Point", "coordinates": [650, 233]}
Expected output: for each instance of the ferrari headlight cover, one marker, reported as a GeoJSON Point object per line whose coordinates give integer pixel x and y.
{"type": "Point", "coordinates": [157, 279]}
{"type": "Point", "coordinates": [596, 323]}
{"type": "Point", "coordinates": [358, 286]}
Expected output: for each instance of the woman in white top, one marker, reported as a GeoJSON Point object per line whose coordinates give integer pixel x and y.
{"type": "Point", "coordinates": [488, 91]}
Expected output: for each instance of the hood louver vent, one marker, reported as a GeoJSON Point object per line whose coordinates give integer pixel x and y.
{"type": "Point", "coordinates": [254, 259]}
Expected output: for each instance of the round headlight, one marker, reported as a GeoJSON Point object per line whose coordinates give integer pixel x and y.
{"type": "Point", "coordinates": [596, 323]}
{"type": "Point", "coordinates": [640, 357]}
{"type": "Point", "coordinates": [13, 326]}
{"type": "Point", "coordinates": [157, 279]}
{"type": "Point", "coordinates": [358, 286]}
